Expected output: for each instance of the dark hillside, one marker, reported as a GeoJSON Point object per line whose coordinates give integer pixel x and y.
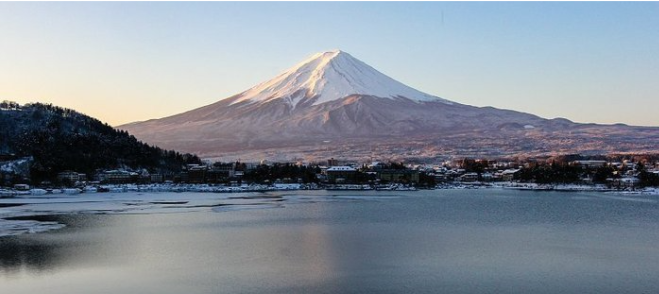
{"type": "Point", "coordinates": [62, 139]}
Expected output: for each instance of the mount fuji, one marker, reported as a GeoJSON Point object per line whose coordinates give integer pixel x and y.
{"type": "Point", "coordinates": [334, 105]}
{"type": "Point", "coordinates": [329, 76]}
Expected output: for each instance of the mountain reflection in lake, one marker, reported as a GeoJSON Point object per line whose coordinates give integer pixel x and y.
{"type": "Point", "coordinates": [470, 241]}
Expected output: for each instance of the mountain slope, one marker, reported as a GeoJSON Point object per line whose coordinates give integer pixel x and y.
{"type": "Point", "coordinates": [61, 139]}
{"type": "Point", "coordinates": [334, 105]}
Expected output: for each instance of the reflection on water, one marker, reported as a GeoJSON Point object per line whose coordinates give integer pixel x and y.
{"type": "Point", "coordinates": [45, 253]}
{"type": "Point", "coordinates": [484, 241]}
{"type": "Point", "coordinates": [18, 253]}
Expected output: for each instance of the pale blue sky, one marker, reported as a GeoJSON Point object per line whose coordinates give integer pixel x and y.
{"type": "Point", "coordinates": [122, 62]}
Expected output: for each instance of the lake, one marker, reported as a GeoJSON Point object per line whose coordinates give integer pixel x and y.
{"type": "Point", "coordinates": [441, 241]}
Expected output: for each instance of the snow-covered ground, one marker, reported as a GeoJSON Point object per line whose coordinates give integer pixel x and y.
{"type": "Point", "coordinates": [552, 187]}
{"type": "Point", "coordinates": [162, 188]}
{"type": "Point", "coordinates": [19, 166]}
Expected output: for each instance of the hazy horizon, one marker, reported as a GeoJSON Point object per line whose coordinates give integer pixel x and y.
{"type": "Point", "coordinates": [126, 62]}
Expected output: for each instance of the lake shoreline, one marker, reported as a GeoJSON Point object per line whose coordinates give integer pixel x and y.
{"type": "Point", "coordinates": [17, 213]}
{"type": "Point", "coordinates": [206, 188]}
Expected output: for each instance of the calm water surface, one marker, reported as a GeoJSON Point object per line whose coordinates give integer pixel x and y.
{"type": "Point", "coordinates": [469, 241]}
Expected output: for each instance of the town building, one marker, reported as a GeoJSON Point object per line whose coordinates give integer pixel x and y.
{"type": "Point", "coordinates": [157, 178]}
{"type": "Point", "coordinates": [468, 177]}
{"type": "Point", "coordinates": [197, 174]}
{"type": "Point", "coordinates": [509, 174]}
{"type": "Point", "coordinates": [117, 177]}
{"type": "Point", "coordinates": [341, 174]}
{"type": "Point", "coordinates": [332, 162]}
{"type": "Point", "coordinates": [589, 163]}
{"type": "Point", "coordinates": [398, 176]}
{"type": "Point", "coordinates": [71, 177]}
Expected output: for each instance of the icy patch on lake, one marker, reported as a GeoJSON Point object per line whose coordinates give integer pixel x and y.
{"type": "Point", "coordinates": [234, 207]}
{"type": "Point", "coordinates": [358, 197]}
{"type": "Point", "coordinates": [28, 206]}
{"type": "Point", "coordinates": [18, 227]}
{"type": "Point", "coordinates": [627, 198]}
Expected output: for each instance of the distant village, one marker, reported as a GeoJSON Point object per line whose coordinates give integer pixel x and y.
{"type": "Point", "coordinates": [612, 172]}
{"type": "Point", "coordinates": [57, 148]}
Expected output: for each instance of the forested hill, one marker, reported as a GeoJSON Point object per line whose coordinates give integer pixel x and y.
{"type": "Point", "coordinates": [62, 139]}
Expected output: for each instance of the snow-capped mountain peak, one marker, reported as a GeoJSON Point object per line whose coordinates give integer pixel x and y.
{"type": "Point", "coordinates": [332, 104]}
{"type": "Point", "coordinates": [329, 76]}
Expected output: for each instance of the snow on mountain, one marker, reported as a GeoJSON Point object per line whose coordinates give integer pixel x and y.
{"type": "Point", "coordinates": [333, 97]}
{"type": "Point", "coordinates": [329, 76]}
